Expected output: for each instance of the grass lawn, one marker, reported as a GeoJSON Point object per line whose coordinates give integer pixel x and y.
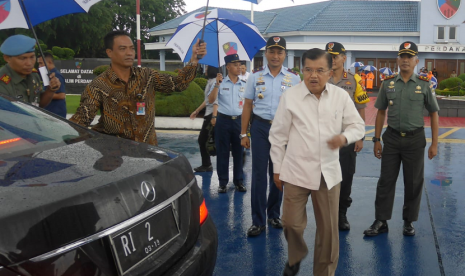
{"type": "Point", "coordinates": [72, 103]}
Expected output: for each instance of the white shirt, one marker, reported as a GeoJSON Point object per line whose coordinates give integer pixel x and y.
{"type": "Point", "coordinates": [301, 128]}
{"type": "Point", "coordinates": [245, 76]}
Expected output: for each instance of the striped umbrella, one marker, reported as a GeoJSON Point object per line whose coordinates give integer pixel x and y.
{"type": "Point", "coordinates": [369, 68]}
{"type": "Point", "coordinates": [357, 64]}
{"type": "Point", "coordinates": [385, 71]}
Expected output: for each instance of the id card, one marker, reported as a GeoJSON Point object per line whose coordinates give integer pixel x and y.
{"type": "Point", "coordinates": [140, 108]}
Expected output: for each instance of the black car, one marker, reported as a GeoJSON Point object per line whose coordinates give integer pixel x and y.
{"type": "Point", "coordinates": [76, 202]}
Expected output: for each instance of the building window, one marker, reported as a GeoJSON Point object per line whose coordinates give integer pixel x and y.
{"type": "Point", "coordinates": [446, 34]}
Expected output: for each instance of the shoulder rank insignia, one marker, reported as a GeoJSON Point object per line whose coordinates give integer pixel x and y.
{"type": "Point", "coordinates": [389, 77]}
{"type": "Point", "coordinates": [258, 70]}
{"type": "Point", "coordinates": [423, 78]}
{"type": "Point", "coordinates": [345, 75]}
{"type": "Point", "coordinates": [6, 79]}
{"type": "Point", "coordinates": [289, 70]}
{"type": "Point", "coordinates": [34, 70]}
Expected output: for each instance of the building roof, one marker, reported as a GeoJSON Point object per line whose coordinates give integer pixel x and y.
{"type": "Point", "coordinates": [329, 16]}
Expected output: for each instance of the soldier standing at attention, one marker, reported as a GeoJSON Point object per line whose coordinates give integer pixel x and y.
{"type": "Point", "coordinates": [264, 88]}
{"type": "Point", "coordinates": [18, 78]}
{"type": "Point", "coordinates": [404, 140]}
{"type": "Point", "coordinates": [347, 154]}
{"type": "Point", "coordinates": [228, 95]}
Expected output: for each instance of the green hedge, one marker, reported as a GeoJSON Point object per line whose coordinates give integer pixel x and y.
{"type": "Point", "coordinates": [169, 73]}
{"type": "Point", "coordinates": [451, 93]}
{"type": "Point", "coordinates": [462, 77]}
{"type": "Point", "coordinates": [100, 69]}
{"type": "Point", "coordinates": [201, 82]}
{"type": "Point", "coordinates": [452, 84]}
{"type": "Point", "coordinates": [179, 104]}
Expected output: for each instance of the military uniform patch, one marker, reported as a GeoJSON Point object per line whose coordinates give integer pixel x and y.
{"type": "Point", "coordinates": [6, 79]}
{"type": "Point", "coordinates": [423, 78]}
{"type": "Point", "coordinates": [289, 70]}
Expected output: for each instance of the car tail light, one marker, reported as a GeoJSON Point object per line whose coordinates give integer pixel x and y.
{"type": "Point", "coordinates": [203, 212]}
{"type": "Point", "coordinates": [4, 142]}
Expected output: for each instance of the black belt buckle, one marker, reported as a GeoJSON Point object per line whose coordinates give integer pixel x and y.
{"type": "Point", "coordinates": [234, 117]}
{"type": "Point", "coordinates": [403, 134]}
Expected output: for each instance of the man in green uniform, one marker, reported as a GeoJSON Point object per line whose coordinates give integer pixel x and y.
{"type": "Point", "coordinates": [348, 154]}
{"type": "Point", "coordinates": [404, 140]}
{"type": "Point", "coordinates": [18, 78]}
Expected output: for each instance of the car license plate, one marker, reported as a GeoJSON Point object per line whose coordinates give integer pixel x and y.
{"type": "Point", "coordinates": [137, 243]}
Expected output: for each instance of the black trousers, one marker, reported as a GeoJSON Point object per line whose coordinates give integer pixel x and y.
{"type": "Point", "coordinates": [347, 159]}
{"type": "Point", "coordinates": [410, 151]}
{"type": "Point", "coordinates": [203, 136]}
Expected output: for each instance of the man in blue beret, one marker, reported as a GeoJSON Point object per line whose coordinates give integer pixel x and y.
{"type": "Point", "coordinates": [18, 78]}
{"type": "Point", "coordinates": [227, 97]}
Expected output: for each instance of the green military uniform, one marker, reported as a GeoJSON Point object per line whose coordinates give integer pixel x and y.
{"type": "Point", "coordinates": [404, 142]}
{"type": "Point", "coordinates": [24, 89]}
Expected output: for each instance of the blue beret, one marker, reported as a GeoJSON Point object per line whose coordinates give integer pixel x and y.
{"type": "Point", "coordinates": [17, 45]}
{"type": "Point", "coordinates": [231, 58]}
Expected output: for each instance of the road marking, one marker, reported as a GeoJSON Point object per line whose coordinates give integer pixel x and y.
{"type": "Point", "coordinates": [444, 135]}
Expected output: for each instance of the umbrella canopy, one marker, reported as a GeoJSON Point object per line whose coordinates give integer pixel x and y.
{"type": "Point", "coordinates": [357, 64]}
{"type": "Point", "coordinates": [12, 14]}
{"type": "Point", "coordinates": [226, 33]}
{"type": "Point", "coordinates": [369, 68]}
{"type": "Point", "coordinates": [385, 71]}
{"type": "Point", "coordinates": [434, 82]}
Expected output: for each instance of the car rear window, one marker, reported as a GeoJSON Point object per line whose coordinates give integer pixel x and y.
{"type": "Point", "coordinates": [24, 128]}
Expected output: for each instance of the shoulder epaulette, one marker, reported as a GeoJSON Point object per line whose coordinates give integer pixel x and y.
{"type": "Point", "coordinates": [258, 70]}
{"type": "Point", "coordinates": [244, 81]}
{"type": "Point", "coordinates": [6, 79]}
{"type": "Point", "coordinates": [34, 70]}
{"type": "Point", "coordinates": [290, 71]}
{"type": "Point", "coordinates": [423, 78]}
{"type": "Point", "coordinates": [389, 77]}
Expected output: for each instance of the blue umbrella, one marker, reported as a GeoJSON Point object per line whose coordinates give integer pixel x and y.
{"type": "Point", "coordinates": [225, 33]}
{"type": "Point", "coordinates": [385, 71]}
{"type": "Point", "coordinates": [369, 68]}
{"type": "Point", "coordinates": [434, 82]}
{"type": "Point", "coordinates": [357, 64]}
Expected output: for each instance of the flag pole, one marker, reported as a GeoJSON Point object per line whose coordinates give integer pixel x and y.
{"type": "Point", "coordinates": [251, 19]}
{"type": "Point", "coordinates": [138, 33]}
{"type": "Point", "coordinates": [203, 29]}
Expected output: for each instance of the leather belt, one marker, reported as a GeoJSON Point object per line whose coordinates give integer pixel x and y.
{"type": "Point", "coordinates": [229, 117]}
{"type": "Point", "coordinates": [407, 133]}
{"type": "Point", "coordinates": [256, 117]}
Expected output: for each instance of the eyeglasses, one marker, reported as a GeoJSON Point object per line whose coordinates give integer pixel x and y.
{"type": "Point", "coordinates": [311, 71]}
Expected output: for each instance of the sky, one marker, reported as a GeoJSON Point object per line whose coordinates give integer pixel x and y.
{"type": "Point", "coordinates": [244, 5]}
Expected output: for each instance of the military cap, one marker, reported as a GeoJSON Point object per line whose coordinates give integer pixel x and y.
{"type": "Point", "coordinates": [408, 47]}
{"type": "Point", "coordinates": [335, 48]}
{"type": "Point", "coordinates": [232, 58]}
{"type": "Point", "coordinates": [276, 41]}
{"type": "Point", "coordinates": [17, 45]}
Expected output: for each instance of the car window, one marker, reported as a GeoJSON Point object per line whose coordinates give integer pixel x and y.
{"type": "Point", "coordinates": [24, 128]}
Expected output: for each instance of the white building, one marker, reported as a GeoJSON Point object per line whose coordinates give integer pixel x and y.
{"type": "Point", "coordinates": [370, 30]}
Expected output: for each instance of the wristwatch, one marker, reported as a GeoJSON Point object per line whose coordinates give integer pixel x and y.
{"type": "Point", "coordinates": [376, 140]}
{"type": "Point", "coordinates": [242, 136]}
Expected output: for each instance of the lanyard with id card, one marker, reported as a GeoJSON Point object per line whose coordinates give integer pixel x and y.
{"type": "Point", "coordinates": [140, 106]}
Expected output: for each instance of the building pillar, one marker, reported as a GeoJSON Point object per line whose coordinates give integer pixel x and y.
{"type": "Point", "coordinates": [248, 65]}
{"type": "Point", "coordinates": [162, 60]}
{"type": "Point", "coordinates": [265, 61]}
{"type": "Point", "coordinates": [348, 60]}
{"type": "Point", "coordinates": [290, 59]}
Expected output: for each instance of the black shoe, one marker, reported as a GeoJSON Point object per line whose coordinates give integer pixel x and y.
{"type": "Point", "coordinates": [241, 188]}
{"type": "Point", "coordinates": [204, 169]}
{"type": "Point", "coordinates": [378, 227]}
{"type": "Point", "coordinates": [222, 189]}
{"type": "Point", "coordinates": [255, 230]}
{"type": "Point", "coordinates": [291, 270]}
{"type": "Point", "coordinates": [343, 223]}
{"type": "Point", "coordinates": [275, 223]}
{"type": "Point", "coordinates": [409, 230]}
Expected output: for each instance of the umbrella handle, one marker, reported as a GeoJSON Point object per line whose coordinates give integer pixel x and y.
{"type": "Point", "coordinates": [199, 57]}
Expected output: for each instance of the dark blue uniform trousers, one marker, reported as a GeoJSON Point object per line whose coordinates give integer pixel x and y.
{"type": "Point", "coordinates": [261, 162]}
{"type": "Point", "coordinates": [227, 133]}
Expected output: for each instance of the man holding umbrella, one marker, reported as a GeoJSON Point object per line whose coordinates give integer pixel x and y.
{"type": "Point", "coordinates": [264, 88]}
{"type": "Point", "coordinates": [18, 78]}
{"type": "Point", "coordinates": [347, 154]}
{"type": "Point", "coordinates": [125, 94]}
{"type": "Point", "coordinates": [228, 94]}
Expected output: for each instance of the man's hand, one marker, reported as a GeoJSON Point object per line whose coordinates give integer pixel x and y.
{"type": "Point", "coordinates": [378, 150]}
{"type": "Point", "coordinates": [358, 146]}
{"type": "Point", "coordinates": [54, 83]}
{"type": "Point", "coordinates": [245, 142]}
{"type": "Point", "coordinates": [193, 115]}
{"type": "Point", "coordinates": [213, 121]}
{"type": "Point", "coordinates": [432, 151]}
{"type": "Point", "coordinates": [278, 182]}
{"type": "Point", "coordinates": [337, 142]}
{"type": "Point", "coordinates": [198, 50]}
{"type": "Point", "coordinates": [219, 78]}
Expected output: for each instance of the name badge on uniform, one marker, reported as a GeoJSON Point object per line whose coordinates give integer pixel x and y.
{"type": "Point", "coordinates": [140, 108]}
{"type": "Point", "coordinates": [242, 89]}
{"type": "Point", "coordinates": [260, 83]}
{"type": "Point", "coordinates": [390, 90]}
{"type": "Point", "coordinates": [227, 89]}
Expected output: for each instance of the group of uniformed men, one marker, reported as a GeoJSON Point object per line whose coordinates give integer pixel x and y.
{"type": "Point", "coordinates": [255, 102]}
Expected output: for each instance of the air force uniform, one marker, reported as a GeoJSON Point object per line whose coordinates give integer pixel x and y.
{"type": "Point", "coordinates": [266, 90]}
{"type": "Point", "coordinates": [11, 83]}
{"type": "Point", "coordinates": [230, 102]}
